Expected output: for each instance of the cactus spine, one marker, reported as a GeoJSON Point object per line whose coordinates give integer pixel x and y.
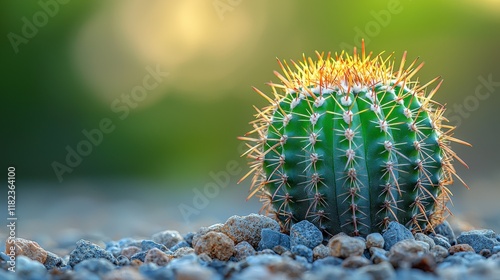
{"type": "Point", "coordinates": [351, 143]}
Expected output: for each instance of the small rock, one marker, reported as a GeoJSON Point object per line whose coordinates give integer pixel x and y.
{"type": "Point", "coordinates": [141, 256]}
{"type": "Point", "coordinates": [479, 239]}
{"type": "Point", "coordinates": [305, 233]}
{"type": "Point", "coordinates": [378, 255]}
{"type": "Point", "coordinates": [320, 252]}
{"type": "Point", "coordinates": [182, 251]}
{"type": "Point", "coordinates": [425, 238]}
{"type": "Point", "coordinates": [485, 253]}
{"type": "Point", "coordinates": [271, 238]}
{"type": "Point", "coordinates": [345, 246]}
{"type": "Point", "coordinates": [355, 262]}
{"type": "Point", "coordinates": [204, 230]}
{"type": "Point", "coordinates": [125, 273]}
{"type": "Point", "coordinates": [441, 241]}
{"type": "Point", "coordinates": [280, 250]}
{"type": "Point", "coordinates": [86, 250]}
{"type": "Point", "coordinates": [130, 251]}
{"type": "Point", "coordinates": [304, 251]}
{"type": "Point", "coordinates": [406, 252]}
{"type": "Point", "coordinates": [188, 237]}
{"type": "Point", "coordinates": [243, 250]}
{"type": "Point", "coordinates": [395, 232]}
{"type": "Point", "coordinates": [496, 249]}
{"type": "Point", "coordinates": [150, 244]}
{"type": "Point", "coordinates": [179, 245]}
{"type": "Point", "coordinates": [374, 240]}
{"type": "Point", "coordinates": [248, 228]}
{"type": "Point", "coordinates": [168, 238]}
{"type": "Point", "coordinates": [122, 260]}
{"type": "Point", "coordinates": [96, 266]}
{"type": "Point", "coordinates": [216, 245]}
{"type": "Point", "coordinates": [445, 230]}
{"type": "Point", "coordinates": [439, 253]}
{"type": "Point", "coordinates": [53, 261]}
{"type": "Point", "coordinates": [266, 252]}
{"type": "Point", "coordinates": [380, 271]}
{"type": "Point", "coordinates": [157, 256]}
{"type": "Point", "coordinates": [28, 248]}
{"type": "Point", "coordinates": [460, 248]}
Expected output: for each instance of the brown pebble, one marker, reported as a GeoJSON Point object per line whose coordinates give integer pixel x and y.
{"type": "Point", "coordinates": [215, 245]}
{"type": "Point", "coordinates": [460, 248]}
{"type": "Point", "coordinates": [344, 246]}
{"type": "Point", "coordinates": [158, 257]}
{"type": "Point", "coordinates": [28, 248]}
{"type": "Point", "coordinates": [426, 263]}
{"type": "Point", "coordinates": [321, 252]}
{"type": "Point", "coordinates": [130, 251]}
{"type": "Point", "coordinates": [136, 263]}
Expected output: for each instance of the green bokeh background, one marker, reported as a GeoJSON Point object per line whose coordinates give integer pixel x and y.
{"type": "Point", "coordinates": [64, 79]}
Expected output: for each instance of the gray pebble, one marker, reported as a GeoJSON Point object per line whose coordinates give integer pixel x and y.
{"type": "Point", "coordinates": [181, 244]}
{"type": "Point", "coordinates": [53, 261]}
{"type": "Point", "coordinates": [304, 251]}
{"type": "Point", "coordinates": [139, 256]}
{"type": "Point", "coordinates": [168, 238]}
{"type": "Point", "coordinates": [305, 233]}
{"type": "Point", "coordinates": [445, 230]}
{"type": "Point", "coordinates": [375, 240]}
{"type": "Point", "coordinates": [95, 266]}
{"type": "Point", "coordinates": [150, 244]}
{"type": "Point", "coordinates": [86, 250]}
{"type": "Point", "coordinates": [188, 237]}
{"type": "Point", "coordinates": [30, 269]}
{"type": "Point", "coordinates": [271, 238]}
{"type": "Point", "coordinates": [320, 252]}
{"type": "Point", "coordinates": [441, 241]}
{"type": "Point", "coordinates": [478, 239]}
{"type": "Point", "coordinates": [395, 232]}
{"type": "Point", "coordinates": [122, 260]}
{"type": "Point", "coordinates": [439, 253]}
{"type": "Point", "coordinates": [425, 238]}
{"type": "Point", "coordinates": [496, 249]}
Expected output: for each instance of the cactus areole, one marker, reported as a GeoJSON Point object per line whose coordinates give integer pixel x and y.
{"type": "Point", "coordinates": [351, 143]}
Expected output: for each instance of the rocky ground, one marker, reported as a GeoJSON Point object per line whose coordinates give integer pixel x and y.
{"type": "Point", "coordinates": [251, 247]}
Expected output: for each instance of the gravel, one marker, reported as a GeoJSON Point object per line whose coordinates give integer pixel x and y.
{"type": "Point", "coordinates": [252, 247]}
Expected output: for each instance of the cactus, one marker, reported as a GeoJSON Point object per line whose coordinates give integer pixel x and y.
{"type": "Point", "coordinates": [351, 143]}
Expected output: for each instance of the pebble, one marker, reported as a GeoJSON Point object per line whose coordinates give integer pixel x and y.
{"type": "Point", "coordinates": [205, 230]}
{"type": "Point", "coordinates": [188, 237]}
{"type": "Point", "coordinates": [355, 262]}
{"type": "Point", "coordinates": [271, 238]}
{"type": "Point", "coordinates": [321, 252]}
{"type": "Point", "coordinates": [168, 238]}
{"type": "Point", "coordinates": [181, 252]}
{"type": "Point", "coordinates": [157, 256]}
{"type": "Point", "coordinates": [130, 251]}
{"type": "Point", "coordinates": [375, 240]}
{"type": "Point", "coordinates": [439, 253]}
{"type": "Point", "coordinates": [304, 251]}
{"type": "Point", "coordinates": [86, 250]}
{"type": "Point", "coordinates": [380, 271]}
{"type": "Point", "coordinates": [305, 233]}
{"type": "Point", "coordinates": [95, 266]}
{"type": "Point", "coordinates": [328, 261]}
{"type": "Point", "coordinates": [441, 241]}
{"type": "Point", "coordinates": [478, 239]}
{"type": "Point", "coordinates": [395, 232]}
{"type": "Point", "coordinates": [460, 248]}
{"type": "Point", "coordinates": [28, 248]}
{"type": "Point", "coordinates": [139, 256]}
{"type": "Point", "coordinates": [425, 238]}
{"type": "Point", "coordinates": [243, 250]}
{"type": "Point", "coordinates": [182, 244]}
{"type": "Point", "coordinates": [215, 245]}
{"type": "Point", "coordinates": [496, 249]}
{"type": "Point", "coordinates": [248, 228]}
{"type": "Point", "coordinates": [53, 261]}
{"type": "Point", "coordinates": [344, 246]}
{"type": "Point", "coordinates": [445, 230]}
{"type": "Point", "coordinates": [150, 244]}
{"type": "Point", "coordinates": [378, 255]}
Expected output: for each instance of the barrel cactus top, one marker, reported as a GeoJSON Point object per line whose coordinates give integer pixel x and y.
{"type": "Point", "coordinates": [350, 143]}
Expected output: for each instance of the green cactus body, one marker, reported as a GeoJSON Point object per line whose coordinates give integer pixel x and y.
{"type": "Point", "coordinates": [350, 146]}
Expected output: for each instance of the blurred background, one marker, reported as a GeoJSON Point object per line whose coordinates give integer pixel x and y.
{"type": "Point", "coordinates": [163, 88]}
